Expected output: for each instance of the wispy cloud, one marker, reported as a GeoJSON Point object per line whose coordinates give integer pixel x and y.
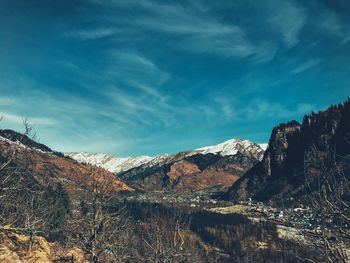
{"type": "Point", "coordinates": [17, 119]}
{"type": "Point", "coordinates": [258, 109]}
{"type": "Point", "coordinates": [91, 34]}
{"type": "Point", "coordinates": [6, 101]}
{"type": "Point", "coordinates": [131, 67]}
{"type": "Point", "coordinates": [306, 66]}
{"type": "Point", "coordinates": [287, 18]}
{"type": "Point", "coordinates": [126, 72]}
{"type": "Point", "coordinates": [261, 109]}
{"type": "Point", "coordinates": [194, 29]}
{"type": "Point", "coordinates": [346, 40]}
{"type": "Point", "coordinates": [330, 22]}
{"type": "Point", "coordinates": [226, 107]}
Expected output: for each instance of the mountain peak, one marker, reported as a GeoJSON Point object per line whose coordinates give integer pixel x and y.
{"type": "Point", "coordinates": [120, 164]}
{"type": "Point", "coordinates": [109, 162]}
{"type": "Point", "coordinates": [230, 147]}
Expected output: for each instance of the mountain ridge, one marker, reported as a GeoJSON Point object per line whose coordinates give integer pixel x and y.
{"type": "Point", "coordinates": [203, 168]}
{"type": "Point", "coordinates": [121, 164]}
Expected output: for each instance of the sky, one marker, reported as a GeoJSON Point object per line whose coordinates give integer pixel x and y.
{"type": "Point", "coordinates": [149, 77]}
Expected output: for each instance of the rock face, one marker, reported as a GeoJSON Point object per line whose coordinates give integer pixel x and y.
{"type": "Point", "coordinates": [297, 156]}
{"type": "Point", "coordinates": [14, 249]}
{"type": "Point", "coordinates": [50, 168]}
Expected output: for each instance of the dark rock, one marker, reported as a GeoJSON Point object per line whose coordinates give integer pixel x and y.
{"type": "Point", "coordinates": [297, 155]}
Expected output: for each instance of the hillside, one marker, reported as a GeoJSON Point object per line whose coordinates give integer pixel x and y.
{"type": "Point", "coordinates": [48, 167]}
{"type": "Point", "coordinates": [219, 165]}
{"type": "Point", "coordinates": [299, 158]}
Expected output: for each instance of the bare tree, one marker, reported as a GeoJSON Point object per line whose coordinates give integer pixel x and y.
{"type": "Point", "coordinates": [331, 205]}
{"type": "Point", "coordinates": [12, 176]}
{"type": "Point", "coordinates": [165, 239]}
{"type": "Point", "coordinates": [23, 207]}
{"type": "Point", "coordinates": [100, 228]}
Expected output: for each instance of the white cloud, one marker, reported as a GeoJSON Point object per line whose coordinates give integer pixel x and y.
{"type": "Point", "coordinates": [17, 119]}
{"type": "Point", "coordinates": [288, 19]}
{"type": "Point", "coordinates": [262, 109]}
{"type": "Point", "coordinates": [226, 107]}
{"type": "Point", "coordinates": [329, 21]}
{"type": "Point", "coordinates": [90, 34]}
{"type": "Point", "coordinates": [6, 101]}
{"type": "Point", "coordinates": [257, 109]}
{"type": "Point", "coordinates": [132, 68]}
{"type": "Point", "coordinates": [195, 29]}
{"type": "Point", "coordinates": [346, 40]}
{"type": "Point", "coordinates": [306, 66]}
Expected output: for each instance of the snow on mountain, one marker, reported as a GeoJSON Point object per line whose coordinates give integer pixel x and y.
{"type": "Point", "coordinates": [230, 147]}
{"type": "Point", "coordinates": [109, 162]}
{"type": "Point", "coordinates": [263, 146]}
{"type": "Point", "coordinates": [121, 164]}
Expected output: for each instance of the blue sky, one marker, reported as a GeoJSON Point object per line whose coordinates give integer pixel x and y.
{"type": "Point", "coordinates": [149, 77]}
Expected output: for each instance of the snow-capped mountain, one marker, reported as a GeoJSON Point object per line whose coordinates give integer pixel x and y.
{"type": "Point", "coordinates": [232, 147]}
{"type": "Point", "coordinates": [121, 164]}
{"type": "Point", "coordinates": [109, 162]}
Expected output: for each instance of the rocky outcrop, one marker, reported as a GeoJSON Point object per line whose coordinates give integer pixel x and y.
{"type": "Point", "coordinates": [297, 155]}
{"type": "Point", "coordinates": [14, 248]}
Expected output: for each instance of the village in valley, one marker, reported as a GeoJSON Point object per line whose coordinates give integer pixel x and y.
{"type": "Point", "coordinates": [301, 217]}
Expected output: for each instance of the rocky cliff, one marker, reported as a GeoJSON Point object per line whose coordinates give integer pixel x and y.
{"type": "Point", "coordinates": [298, 156]}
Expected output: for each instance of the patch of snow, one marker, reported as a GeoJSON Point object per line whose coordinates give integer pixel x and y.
{"type": "Point", "coordinates": [23, 146]}
{"type": "Point", "coordinates": [109, 162]}
{"type": "Point", "coordinates": [232, 147]}
{"type": "Point", "coordinates": [264, 146]}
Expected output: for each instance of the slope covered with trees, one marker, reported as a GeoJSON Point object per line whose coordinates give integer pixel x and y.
{"type": "Point", "coordinates": [300, 158]}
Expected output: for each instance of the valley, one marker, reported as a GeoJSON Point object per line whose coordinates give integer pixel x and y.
{"type": "Point", "coordinates": [221, 203]}
{"type": "Point", "coordinates": [159, 131]}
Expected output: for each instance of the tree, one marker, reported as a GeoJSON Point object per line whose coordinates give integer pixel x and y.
{"type": "Point", "coordinates": [27, 206]}
{"type": "Point", "coordinates": [331, 205]}
{"type": "Point", "coordinates": [165, 238]}
{"type": "Point", "coordinates": [97, 226]}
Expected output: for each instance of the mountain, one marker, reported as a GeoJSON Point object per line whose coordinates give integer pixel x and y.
{"type": "Point", "coordinates": [300, 157]}
{"type": "Point", "coordinates": [109, 162]}
{"type": "Point", "coordinates": [20, 154]}
{"type": "Point", "coordinates": [213, 166]}
{"type": "Point", "coordinates": [232, 147]}
{"type": "Point", "coordinates": [122, 164]}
